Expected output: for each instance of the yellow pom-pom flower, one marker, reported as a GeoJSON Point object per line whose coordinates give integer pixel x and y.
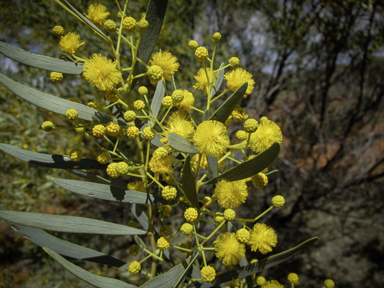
{"type": "Point", "coordinates": [231, 194]}
{"type": "Point", "coordinates": [122, 168]}
{"type": "Point", "coordinates": [112, 95]}
{"type": "Point", "coordinates": [76, 154]}
{"type": "Point", "coordinates": [97, 14]}
{"type": "Point", "coordinates": [202, 77]}
{"type": "Point", "coordinates": [129, 24]}
{"type": "Point", "coordinates": [167, 62]}
{"type": "Point", "coordinates": [191, 214]}
{"type": "Point", "coordinates": [272, 284]}
{"type": "Point", "coordinates": [138, 105]}
{"type": "Point", "coordinates": [130, 116]}
{"type": "Point", "coordinates": [113, 128]}
{"type": "Point", "coordinates": [110, 26]}
{"type": "Point", "coordinates": [243, 236]}
{"type": "Point", "coordinates": [229, 214]}
{"type": "Point", "coordinates": [193, 45]}
{"type": "Point", "coordinates": [208, 274]}
{"type": "Point", "coordinates": [160, 152]}
{"type": "Point", "coordinates": [266, 134]}
{"type": "Point", "coordinates": [103, 157]}
{"type": "Point", "coordinates": [70, 43]}
{"type": "Point", "coordinates": [143, 90]}
{"type": "Point", "coordinates": [134, 268]}
{"type": "Point", "coordinates": [186, 228]}
{"type": "Point", "coordinates": [165, 210]}
{"type": "Point", "coordinates": [263, 238]}
{"type": "Point", "coordinates": [250, 125]}
{"type": "Point", "coordinates": [149, 133]}
{"type": "Point", "coordinates": [111, 170]}
{"type": "Point", "coordinates": [133, 132]}
{"type": "Point", "coordinates": [260, 281]}
{"type": "Point", "coordinates": [167, 102]}
{"type": "Point", "coordinates": [71, 114]}
{"type": "Point", "coordinates": [169, 193]}
{"type": "Point", "coordinates": [234, 62]}
{"type": "Point", "coordinates": [201, 54]}
{"type": "Point", "coordinates": [179, 123]}
{"type": "Point", "coordinates": [163, 243]}
{"type": "Point", "coordinates": [187, 103]}
{"type": "Point", "coordinates": [161, 165]}
{"type": "Point", "coordinates": [211, 138]}
{"type": "Point", "coordinates": [238, 77]}
{"type": "Point", "coordinates": [101, 72]}
{"type": "Point", "coordinates": [278, 201]}
{"type": "Point", "coordinates": [58, 31]}
{"type": "Point", "coordinates": [143, 24]}
{"type": "Point", "coordinates": [98, 130]}
{"type": "Point", "coordinates": [165, 230]}
{"type": "Point", "coordinates": [238, 114]}
{"type": "Point", "coordinates": [329, 283]}
{"type": "Point", "coordinates": [216, 37]}
{"type": "Point", "coordinates": [47, 126]}
{"type": "Point", "coordinates": [155, 74]}
{"type": "Point", "coordinates": [177, 96]}
{"type": "Point", "coordinates": [228, 249]}
{"type": "Point", "coordinates": [241, 135]}
{"type": "Point", "coordinates": [259, 180]}
{"type": "Point", "coordinates": [293, 278]}
{"type": "Point", "coordinates": [56, 77]}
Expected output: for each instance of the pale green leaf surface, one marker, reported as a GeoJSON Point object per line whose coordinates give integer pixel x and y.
{"type": "Point", "coordinates": [155, 16]}
{"type": "Point", "coordinates": [206, 115]}
{"type": "Point", "coordinates": [213, 166]}
{"type": "Point", "coordinates": [188, 182]}
{"type": "Point", "coordinates": [50, 161]}
{"type": "Point", "coordinates": [93, 279]}
{"type": "Point", "coordinates": [110, 193]}
{"type": "Point", "coordinates": [219, 80]}
{"type": "Point", "coordinates": [52, 103]}
{"type": "Point", "coordinates": [250, 167]}
{"type": "Point", "coordinates": [139, 214]}
{"type": "Point", "coordinates": [39, 61]}
{"type": "Point", "coordinates": [180, 144]}
{"type": "Point", "coordinates": [44, 239]}
{"type": "Point", "coordinates": [187, 269]}
{"type": "Point", "coordinates": [225, 110]}
{"type": "Point", "coordinates": [262, 264]}
{"type": "Point", "coordinates": [157, 98]}
{"type": "Point", "coordinates": [70, 224]}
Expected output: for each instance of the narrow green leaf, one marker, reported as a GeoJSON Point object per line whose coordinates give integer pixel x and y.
{"type": "Point", "coordinates": [206, 115]}
{"type": "Point", "coordinates": [225, 110]}
{"type": "Point", "coordinates": [110, 193]}
{"type": "Point", "coordinates": [90, 176]}
{"type": "Point", "coordinates": [70, 224]}
{"type": "Point", "coordinates": [213, 166]}
{"type": "Point", "coordinates": [39, 61]}
{"type": "Point", "coordinates": [250, 167]}
{"type": "Point", "coordinates": [262, 264]}
{"type": "Point", "coordinates": [85, 19]}
{"type": "Point", "coordinates": [168, 279]}
{"type": "Point", "coordinates": [186, 269]}
{"type": "Point", "coordinates": [140, 215]}
{"type": "Point", "coordinates": [52, 103]}
{"type": "Point", "coordinates": [50, 161]}
{"type": "Point", "coordinates": [155, 16]}
{"type": "Point", "coordinates": [180, 144]}
{"type": "Point", "coordinates": [157, 98]}
{"type": "Point", "coordinates": [189, 183]}
{"type": "Point", "coordinates": [44, 239]}
{"type": "Point", "coordinates": [93, 279]}
{"type": "Point", "coordinates": [219, 80]}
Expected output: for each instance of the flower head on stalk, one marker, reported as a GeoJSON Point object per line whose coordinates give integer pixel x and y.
{"type": "Point", "coordinates": [70, 43]}
{"type": "Point", "coordinates": [231, 194]}
{"type": "Point", "coordinates": [263, 238]}
{"type": "Point", "coordinates": [97, 14]}
{"type": "Point", "coordinates": [238, 77]}
{"type": "Point", "coordinates": [187, 102]}
{"type": "Point", "coordinates": [167, 62]}
{"type": "Point", "coordinates": [202, 80]}
{"type": "Point", "coordinates": [211, 138]}
{"type": "Point", "coordinates": [101, 72]}
{"type": "Point", "coordinates": [228, 249]}
{"type": "Point", "coordinates": [179, 123]}
{"type": "Point", "coordinates": [266, 134]}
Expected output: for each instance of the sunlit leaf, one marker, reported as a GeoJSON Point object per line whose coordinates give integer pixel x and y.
{"type": "Point", "coordinates": [213, 166]}
{"type": "Point", "coordinates": [157, 98]}
{"type": "Point", "coordinates": [93, 279]}
{"type": "Point", "coordinates": [225, 110]}
{"type": "Point", "coordinates": [250, 167]}
{"type": "Point", "coordinates": [180, 144]}
{"type": "Point", "coordinates": [70, 224]}
{"type": "Point", "coordinates": [52, 103]}
{"type": "Point", "coordinates": [219, 80]}
{"type": "Point", "coordinates": [39, 61]}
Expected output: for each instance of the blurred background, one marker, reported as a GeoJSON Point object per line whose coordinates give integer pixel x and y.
{"type": "Point", "coordinates": [318, 67]}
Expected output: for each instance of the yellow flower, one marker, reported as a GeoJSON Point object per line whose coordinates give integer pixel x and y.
{"type": "Point", "coordinates": [211, 138]}
{"type": "Point", "coordinates": [167, 62]}
{"type": "Point", "coordinates": [293, 278]}
{"type": "Point", "coordinates": [70, 43]}
{"type": "Point", "coordinates": [179, 123]}
{"type": "Point", "coordinates": [263, 238]}
{"type": "Point", "coordinates": [231, 194]}
{"type": "Point", "coordinates": [266, 134]}
{"type": "Point", "coordinates": [272, 284]}
{"type": "Point", "coordinates": [208, 274]}
{"type": "Point", "coordinates": [97, 14]}
{"type": "Point", "coordinates": [228, 249]}
{"type": "Point", "coordinates": [161, 165]}
{"type": "Point", "coordinates": [101, 72]}
{"type": "Point", "coordinates": [187, 103]}
{"type": "Point", "coordinates": [202, 80]}
{"type": "Point", "coordinates": [238, 77]}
